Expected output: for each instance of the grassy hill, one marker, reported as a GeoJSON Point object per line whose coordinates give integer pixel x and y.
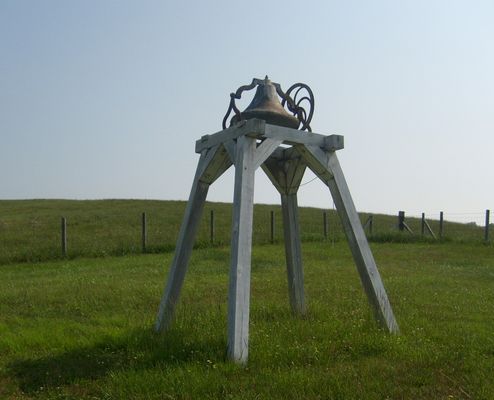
{"type": "Point", "coordinates": [30, 229]}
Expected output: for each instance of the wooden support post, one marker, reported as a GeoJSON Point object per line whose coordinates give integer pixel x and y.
{"type": "Point", "coordinates": [286, 172]}
{"type": "Point", "coordinates": [144, 233]}
{"type": "Point", "coordinates": [293, 253]}
{"type": "Point", "coordinates": [271, 225]}
{"type": "Point", "coordinates": [422, 226]}
{"type": "Point", "coordinates": [441, 225]}
{"type": "Point", "coordinates": [64, 236]}
{"type": "Point", "coordinates": [239, 288]}
{"type": "Point", "coordinates": [211, 226]}
{"type": "Point", "coordinates": [401, 220]}
{"type": "Point", "coordinates": [325, 224]}
{"type": "Point", "coordinates": [402, 225]}
{"type": "Point", "coordinates": [487, 223]}
{"type": "Point", "coordinates": [185, 242]}
{"type": "Point", "coordinates": [327, 167]}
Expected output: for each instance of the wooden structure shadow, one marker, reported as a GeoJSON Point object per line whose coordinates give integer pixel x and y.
{"type": "Point", "coordinates": [247, 146]}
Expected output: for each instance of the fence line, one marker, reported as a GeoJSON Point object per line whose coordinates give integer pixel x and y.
{"type": "Point", "coordinates": [426, 226]}
{"type": "Point", "coordinates": [91, 235]}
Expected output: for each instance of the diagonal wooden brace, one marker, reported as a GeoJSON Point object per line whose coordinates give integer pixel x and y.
{"type": "Point", "coordinates": [212, 163]}
{"type": "Point", "coordinates": [325, 164]}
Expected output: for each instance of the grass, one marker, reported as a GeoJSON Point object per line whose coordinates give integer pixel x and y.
{"type": "Point", "coordinates": [82, 328]}
{"type": "Point", "coordinates": [30, 229]}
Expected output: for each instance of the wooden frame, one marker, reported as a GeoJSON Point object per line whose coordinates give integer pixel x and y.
{"type": "Point", "coordinates": [249, 145]}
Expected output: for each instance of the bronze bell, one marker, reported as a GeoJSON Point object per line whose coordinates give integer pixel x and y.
{"type": "Point", "coordinates": [266, 105]}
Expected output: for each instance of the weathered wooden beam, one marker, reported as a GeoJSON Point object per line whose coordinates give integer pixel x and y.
{"type": "Point", "coordinates": [285, 168]}
{"type": "Point", "coordinates": [241, 247]}
{"type": "Point", "coordinates": [251, 126]}
{"type": "Point", "coordinates": [286, 175]}
{"type": "Point", "coordinates": [317, 160]}
{"type": "Point", "coordinates": [274, 173]}
{"type": "Point", "coordinates": [185, 242]}
{"type": "Point", "coordinates": [230, 146]}
{"type": "Point", "coordinates": [293, 253]}
{"type": "Point", "coordinates": [260, 130]}
{"type": "Point", "coordinates": [294, 173]}
{"type": "Point", "coordinates": [364, 260]}
{"type": "Point", "coordinates": [218, 161]}
{"type": "Point", "coordinates": [264, 150]}
{"type": "Point", "coordinates": [294, 137]}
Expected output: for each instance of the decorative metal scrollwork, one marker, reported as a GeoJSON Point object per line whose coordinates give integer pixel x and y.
{"type": "Point", "coordinates": [238, 95]}
{"type": "Point", "coordinates": [302, 108]}
{"type": "Point", "coordinates": [295, 107]}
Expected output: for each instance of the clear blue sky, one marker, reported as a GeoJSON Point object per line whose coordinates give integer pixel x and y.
{"type": "Point", "coordinates": [105, 99]}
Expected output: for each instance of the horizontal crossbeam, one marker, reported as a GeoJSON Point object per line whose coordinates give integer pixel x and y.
{"type": "Point", "coordinates": [259, 129]}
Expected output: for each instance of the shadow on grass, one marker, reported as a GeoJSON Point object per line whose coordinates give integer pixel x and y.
{"type": "Point", "coordinates": [140, 349]}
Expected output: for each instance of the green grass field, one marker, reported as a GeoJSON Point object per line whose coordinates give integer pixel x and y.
{"type": "Point", "coordinates": [82, 328]}
{"type": "Point", "coordinates": [30, 229]}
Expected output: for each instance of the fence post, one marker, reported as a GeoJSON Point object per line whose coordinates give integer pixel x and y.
{"type": "Point", "coordinates": [325, 224]}
{"type": "Point", "coordinates": [441, 224]}
{"type": "Point", "coordinates": [64, 236]}
{"type": "Point", "coordinates": [144, 233]}
{"type": "Point", "coordinates": [487, 222]}
{"type": "Point", "coordinates": [401, 220]}
{"type": "Point", "coordinates": [211, 226]}
{"type": "Point", "coordinates": [422, 229]}
{"type": "Point", "coordinates": [371, 223]}
{"type": "Point", "coordinates": [272, 226]}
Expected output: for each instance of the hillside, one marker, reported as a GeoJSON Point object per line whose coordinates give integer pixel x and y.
{"type": "Point", "coordinates": [30, 229]}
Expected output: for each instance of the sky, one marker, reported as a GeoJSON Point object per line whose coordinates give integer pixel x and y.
{"type": "Point", "coordinates": [105, 99]}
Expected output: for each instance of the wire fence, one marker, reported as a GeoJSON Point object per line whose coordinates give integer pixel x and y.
{"type": "Point", "coordinates": [99, 233]}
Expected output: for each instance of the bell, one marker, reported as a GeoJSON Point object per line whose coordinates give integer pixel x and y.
{"type": "Point", "coordinates": [266, 105]}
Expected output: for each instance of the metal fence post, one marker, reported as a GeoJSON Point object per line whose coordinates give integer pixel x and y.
{"type": "Point", "coordinates": [422, 229]}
